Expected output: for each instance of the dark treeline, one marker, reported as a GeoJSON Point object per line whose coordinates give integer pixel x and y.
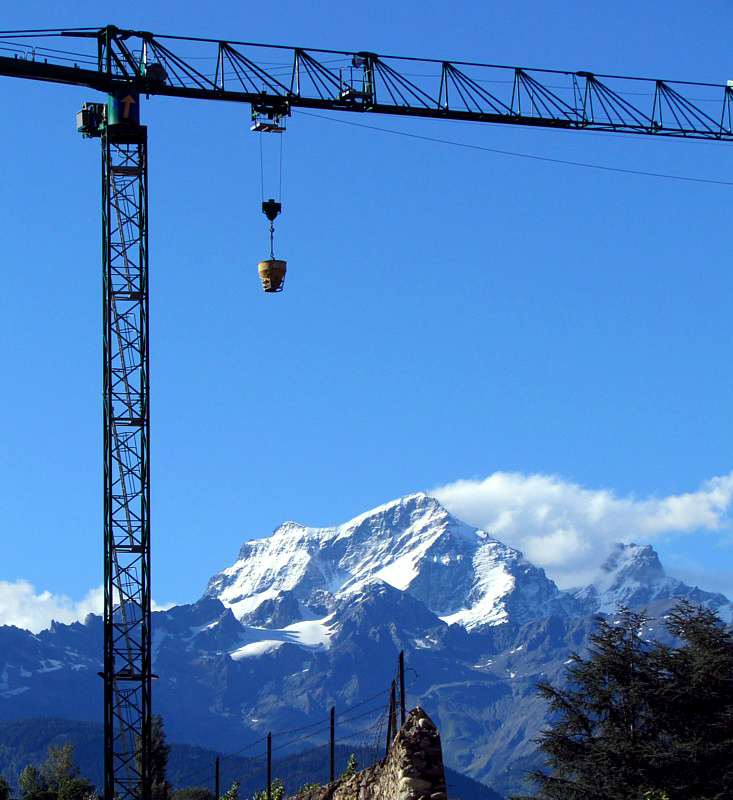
{"type": "Point", "coordinates": [25, 746]}
{"type": "Point", "coordinates": [24, 742]}
{"type": "Point", "coordinates": [57, 778]}
{"type": "Point", "coordinates": [190, 769]}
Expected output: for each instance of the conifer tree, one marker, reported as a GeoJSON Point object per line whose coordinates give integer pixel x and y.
{"type": "Point", "coordinates": [159, 752]}
{"type": "Point", "coordinates": [637, 718]}
{"type": "Point", "coordinates": [695, 706]}
{"type": "Point", "coordinates": [160, 788]}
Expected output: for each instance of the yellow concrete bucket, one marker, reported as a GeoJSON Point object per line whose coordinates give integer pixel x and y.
{"type": "Point", "coordinates": [272, 274]}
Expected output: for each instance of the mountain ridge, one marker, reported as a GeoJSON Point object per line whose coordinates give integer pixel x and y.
{"type": "Point", "coordinates": [632, 576]}
{"type": "Point", "coordinates": [312, 618]}
{"type": "Point", "coordinates": [463, 574]}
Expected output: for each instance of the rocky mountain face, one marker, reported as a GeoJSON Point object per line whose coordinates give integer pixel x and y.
{"type": "Point", "coordinates": [309, 618]}
{"type": "Point", "coordinates": [632, 576]}
{"type": "Point", "coordinates": [461, 574]}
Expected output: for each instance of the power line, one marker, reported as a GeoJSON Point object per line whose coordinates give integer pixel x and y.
{"type": "Point", "coordinates": [518, 155]}
{"type": "Point", "coordinates": [319, 725]}
{"type": "Point", "coordinates": [255, 766]}
{"type": "Point", "coordinates": [190, 775]}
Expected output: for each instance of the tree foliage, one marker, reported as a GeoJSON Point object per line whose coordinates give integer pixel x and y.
{"type": "Point", "coordinates": [233, 793]}
{"type": "Point", "coordinates": [157, 760]}
{"type": "Point", "coordinates": [4, 788]}
{"type": "Point", "coordinates": [159, 752]}
{"type": "Point", "coordinates": [30, 783]}
{"type": "Point", "coordinates": [351, 767]}
{"type": "Point", "coordinates": [277, 791]}
{"type": "Point", "coordinates": [306, 788]}
{"type": "Point", "coordinates": [57, 779]}
{"type": "Point", "coordinates": [59, 769]}
{"type": "Point", "coordinates": [638, 718]}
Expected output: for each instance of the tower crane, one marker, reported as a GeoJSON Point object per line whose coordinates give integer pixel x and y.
{"type": "Point", "coordinates": [125, 65]}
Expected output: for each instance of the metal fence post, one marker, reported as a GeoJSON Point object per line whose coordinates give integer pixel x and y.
{"type": "Point", "coordinates": [269, 766]}
{"type": "Point", "coordinates": [392, 717]}
{"type": "Point", "coordinates": [333, 744]}
{"type": "Point", "coordinates": [402, 687]}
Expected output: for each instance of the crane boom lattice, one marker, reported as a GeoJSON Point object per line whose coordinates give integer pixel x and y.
{"type": "Point", "coordinates": [275, 79]}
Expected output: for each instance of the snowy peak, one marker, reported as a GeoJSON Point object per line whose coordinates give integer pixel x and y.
{"type": "Point", "coordinates": [412, 544]}
{"type": "Point", "coordinates": [632, 576]}
{"type": "Point", "coordinates": [383, 543]}
{"type": "Point", "coordinates": [632, 562]}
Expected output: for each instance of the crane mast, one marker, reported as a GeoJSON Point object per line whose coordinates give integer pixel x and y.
{"type": "Point", "coordinates": [124, 64]}
{"type": "Point", "coordinates": [127, 636]}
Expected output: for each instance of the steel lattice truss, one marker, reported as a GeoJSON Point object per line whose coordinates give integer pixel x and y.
{"type": "Point", "coordinates": [275, 78]}
{"type": "Point", "coordinates": [126, 436]}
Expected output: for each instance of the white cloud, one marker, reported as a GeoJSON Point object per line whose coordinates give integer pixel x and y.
{"type": "Point", "coordinates": [21, 606]}
{"type": "Point", "coordinates": [568, 529]}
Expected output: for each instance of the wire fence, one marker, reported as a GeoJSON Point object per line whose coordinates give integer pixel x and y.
{"type": "Point", "coordinates": [315, 753]}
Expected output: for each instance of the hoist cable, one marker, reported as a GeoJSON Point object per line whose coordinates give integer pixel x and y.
{"type": "Point", "coordinates": [280, 187]}
{"type": "Point", "coordinates": [262, 173]}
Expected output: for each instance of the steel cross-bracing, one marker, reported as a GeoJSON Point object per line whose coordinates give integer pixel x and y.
{"type": "Point", "coordinates": [127, 672]}
{"type": "Point", "coordinates": [273, 79]}
{"type": "Point", "coordinates": [277, 78]}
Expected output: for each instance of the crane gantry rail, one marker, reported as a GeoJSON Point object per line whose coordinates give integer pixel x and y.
{"type": "Point", "coordinates": [273, 79]}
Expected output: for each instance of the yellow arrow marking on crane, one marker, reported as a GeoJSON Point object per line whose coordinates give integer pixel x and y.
{"type": "Point", "coordinates": [127, 102]}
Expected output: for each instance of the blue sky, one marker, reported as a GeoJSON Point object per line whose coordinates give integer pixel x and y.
{"type": "Point", "coordinates": [449, 314]}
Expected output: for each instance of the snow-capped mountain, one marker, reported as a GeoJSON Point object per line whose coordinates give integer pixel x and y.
{"type": "Point", "coordinates": [632, 576]}
{"type": "Point", "coordinates": [462, 574]}
{"type": "Point", "coordinates": [309, 618]}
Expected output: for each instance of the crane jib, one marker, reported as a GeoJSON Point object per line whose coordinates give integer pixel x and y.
{"type": "Point", "coordinates": [374, 86]}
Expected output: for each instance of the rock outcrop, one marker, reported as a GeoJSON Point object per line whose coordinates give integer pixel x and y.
{"type": "Point", "coordinates": [412, 770]}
